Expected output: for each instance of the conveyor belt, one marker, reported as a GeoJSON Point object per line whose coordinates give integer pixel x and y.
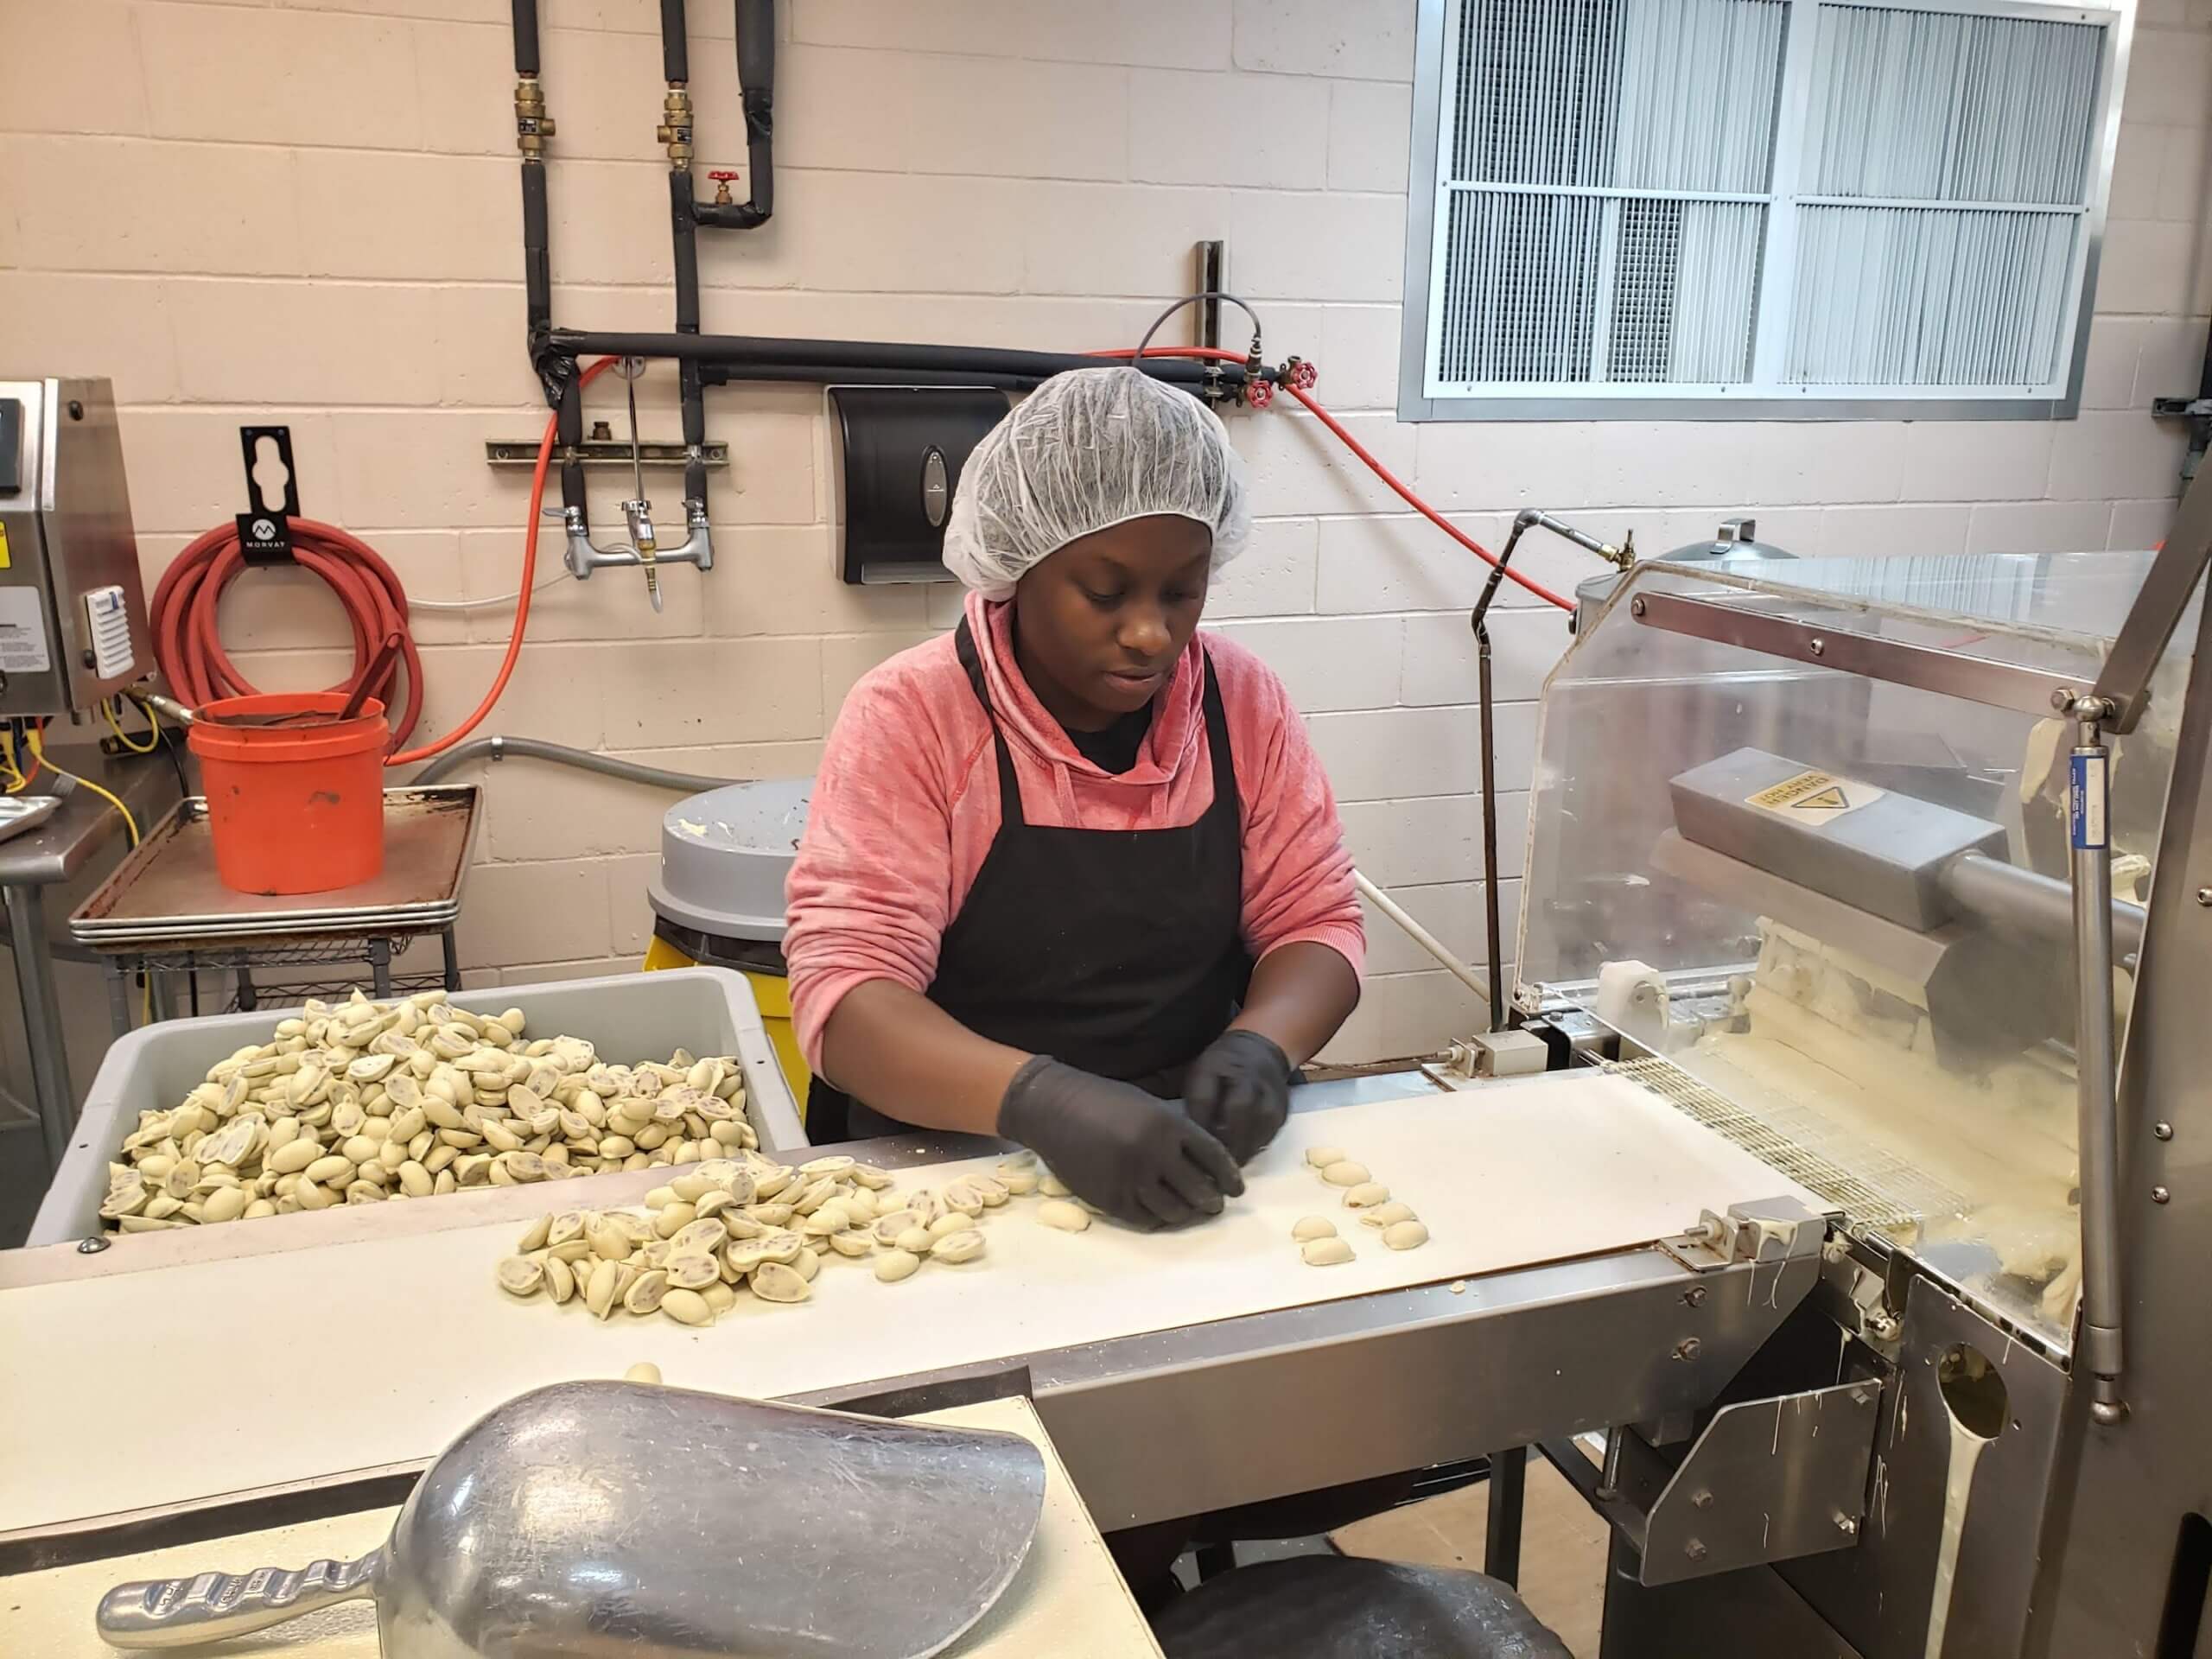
{"type": "Point", "coordinates": [1875, 1189]}
{"type": "Point", "coordinates": [168, 1385]}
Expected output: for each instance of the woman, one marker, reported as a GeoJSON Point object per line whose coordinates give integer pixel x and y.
{"type": "Point", "coordinates": [1076, 863]}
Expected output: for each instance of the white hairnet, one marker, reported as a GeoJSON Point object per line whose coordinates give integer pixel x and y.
{"type": "Point", "coordinates": [1087, 449]}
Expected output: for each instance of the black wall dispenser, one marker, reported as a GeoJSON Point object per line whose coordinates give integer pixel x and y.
{"type": "Point", "coordinates": [899, 454]}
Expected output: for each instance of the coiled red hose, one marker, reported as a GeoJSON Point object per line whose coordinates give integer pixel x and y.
{"type": "Point", "coordinates": [188, 645]}
{"type": "Point", "coordinates": [189, 649]}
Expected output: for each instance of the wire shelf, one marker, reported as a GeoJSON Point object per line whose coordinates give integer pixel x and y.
{"type": "Point", "coordinates": [1874, 1189]}
{"type": "Point", "coordinates": [269, 953]}
{"type": "Point", "coordinates": [287, 993]}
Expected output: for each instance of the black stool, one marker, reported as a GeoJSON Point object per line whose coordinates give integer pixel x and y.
{"type": "Point", "coordinates": [1339, 1607]}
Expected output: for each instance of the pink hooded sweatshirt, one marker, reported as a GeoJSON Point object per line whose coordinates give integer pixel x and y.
{"type": "Point", "coordinates": [905, 805]}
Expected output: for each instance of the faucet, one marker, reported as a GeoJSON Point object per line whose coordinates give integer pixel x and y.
{"type": "Point", "coordinates": [644, 547]}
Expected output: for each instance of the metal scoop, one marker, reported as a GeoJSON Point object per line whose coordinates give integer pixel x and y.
{"type": "Point", "coordinates": [607, 1520]}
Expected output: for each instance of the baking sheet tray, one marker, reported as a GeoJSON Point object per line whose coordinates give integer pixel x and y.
{"type": "Point", "coordinates": [167, 892]}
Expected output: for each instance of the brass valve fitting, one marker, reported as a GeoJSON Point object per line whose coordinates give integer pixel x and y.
{"type": "Point", "coordinates": [675, 129]}
{"type": "Point", "coordinates": [532, 125]}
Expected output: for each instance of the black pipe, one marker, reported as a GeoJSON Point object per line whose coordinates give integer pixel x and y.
{"type": "Point", "coordinates": [536, 240]}
{"type": "Point", "coordinates": [763, 352]}
{"type": "Point", "coordinates": [1492, 927]}
{"type": "Point", "coordinates": [538, 267]}
{"type": "Point", "coordinates": [724, 374]}
{"type": "Point", "coordinates": [756, 21]}
{"type": "Point", "coordinates": [691, 396]}
{"type": "Point", "coordinates": [568, 430]}
{"type": "Point", "coordinates": [675, 50]}
{"type": "Point", "coordinates": [756, 76]}
{"type": "Point", "coordinates": [728, 215]}
{"type": "Point", "coordinates": [525, 15]}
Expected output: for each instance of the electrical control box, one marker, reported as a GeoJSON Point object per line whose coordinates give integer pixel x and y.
{"type": "Point", "coordinates": [898, 452]}
{"type": "Point", "coordinates": [72, 610]}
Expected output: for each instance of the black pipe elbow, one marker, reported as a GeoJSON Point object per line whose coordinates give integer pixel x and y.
{"type": "Point", "coordinates": [756, 74]}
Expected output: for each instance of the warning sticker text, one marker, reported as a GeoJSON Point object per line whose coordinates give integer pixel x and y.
{"type": "Point", "coordinates": [1814, 798]}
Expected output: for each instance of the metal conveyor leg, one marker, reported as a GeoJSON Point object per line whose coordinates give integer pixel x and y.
{"type": "Point", "coordinates": [1509, 1482]}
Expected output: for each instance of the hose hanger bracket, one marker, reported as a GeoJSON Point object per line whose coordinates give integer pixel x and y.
{"type": "Point", "coordinates": [265, 529]}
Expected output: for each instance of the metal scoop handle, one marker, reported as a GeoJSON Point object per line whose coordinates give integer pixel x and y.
{"type": "Point", "coordinates": [215, 1606]}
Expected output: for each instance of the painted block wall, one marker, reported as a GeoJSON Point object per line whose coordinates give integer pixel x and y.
{"type": "Point", "coordinates": [307, 210]}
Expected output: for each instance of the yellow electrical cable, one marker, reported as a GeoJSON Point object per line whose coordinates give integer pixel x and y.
{"type": "Point", "coordinates": [17, 782]}
{"type": "Point", "coordinates": [38, 753]}
{"type": "Point", "coordinates": [153, 737]}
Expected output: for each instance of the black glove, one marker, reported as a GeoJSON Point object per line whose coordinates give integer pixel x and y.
{"type": "Point", "coordinates": [1238, 1091]}
{"type": "Point", "coordinates": [1136, 1157]}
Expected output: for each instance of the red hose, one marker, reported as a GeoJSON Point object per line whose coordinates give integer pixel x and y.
{"type": "Point", "coordinates": [187, 643]}
{"type": "Point", "coordinates": [1421, 507]}
{"type": "Point", "coordinates": [1217, 354]}
{"type": "Point", "coordinates": [529, 580]}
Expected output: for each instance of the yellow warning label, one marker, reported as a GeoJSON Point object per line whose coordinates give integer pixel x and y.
{"type": "Point", "coordinates": [6, 559]}
{"type": "Point", "coordinates": [1814, 797]}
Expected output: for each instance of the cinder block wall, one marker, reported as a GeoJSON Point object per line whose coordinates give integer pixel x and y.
{"type": "Point", "coordinates": [307, 212]}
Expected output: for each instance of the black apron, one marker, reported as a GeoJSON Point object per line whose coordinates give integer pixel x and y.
{"type": "Point", "coordinates": [1117, 951]}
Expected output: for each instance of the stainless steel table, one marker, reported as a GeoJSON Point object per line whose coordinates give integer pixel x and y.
{"type": "Point", "coordinates": [83, 827]}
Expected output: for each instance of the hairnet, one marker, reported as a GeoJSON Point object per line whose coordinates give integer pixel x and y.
{"type": "Point", "coordinates": [1090, 448]}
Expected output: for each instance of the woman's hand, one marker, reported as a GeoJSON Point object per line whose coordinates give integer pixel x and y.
{"type": "Point", "coordinates": [1138, 1158]}
{"type": "Point", "coordinates": [1238, 1090]}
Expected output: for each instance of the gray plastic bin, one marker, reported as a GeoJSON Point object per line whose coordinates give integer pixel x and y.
{"type": "Point", "coordinates": [627, 1017]}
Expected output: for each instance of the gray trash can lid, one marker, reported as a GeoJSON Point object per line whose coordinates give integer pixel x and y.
{"type": "Point", "coordinates": [724, 855]}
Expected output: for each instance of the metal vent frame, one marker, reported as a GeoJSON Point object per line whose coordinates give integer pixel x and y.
{"type": "Point", "coordinates": [1433, 138]}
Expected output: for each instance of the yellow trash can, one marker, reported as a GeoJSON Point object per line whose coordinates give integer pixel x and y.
{"type": "Point", "coordinates": [718, 897]}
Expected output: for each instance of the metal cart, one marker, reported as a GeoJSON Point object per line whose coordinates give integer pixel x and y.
{"type": "Point", "coordinates": [164, 911]}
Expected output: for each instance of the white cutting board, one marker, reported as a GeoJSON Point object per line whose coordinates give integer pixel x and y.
{"type": "Point", "coordinates": [178, 1383]}
{"type": "Point", "coordinates": [1066, 1602]}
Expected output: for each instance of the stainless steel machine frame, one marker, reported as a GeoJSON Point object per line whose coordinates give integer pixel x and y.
{"type": "Point", "coordinates": [65, 533]}
{"type": "Point", "coordinates": [2087, 1530]}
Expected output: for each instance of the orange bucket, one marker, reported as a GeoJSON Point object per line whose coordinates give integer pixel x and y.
{"type": "Point", "coordinates": [294, 809]}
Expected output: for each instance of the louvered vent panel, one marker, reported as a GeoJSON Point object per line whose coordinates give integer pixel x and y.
{"type": "Point", "coordinates": [1940, 107]}
{"type": "Point", "coordinates": [1588, 235]}
{"type": "Point", "coordinates": [1684, 284]}
{"type": "Point", "coordinates": [1945, 107]}
{"type": "Point", "coordinates": [1608, 213]}
{"type": "Point", "coordinates": [1929, 297]}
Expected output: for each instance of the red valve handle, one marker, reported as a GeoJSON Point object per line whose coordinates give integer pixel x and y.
{"type": "Point", "coordinates": [721, 178]}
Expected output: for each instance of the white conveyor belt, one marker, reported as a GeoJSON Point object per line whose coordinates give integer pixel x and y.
{"type": "Point", "coordinates": [134, 1389]}
{"type": "Point", "coordinates": [1067, 1602]}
